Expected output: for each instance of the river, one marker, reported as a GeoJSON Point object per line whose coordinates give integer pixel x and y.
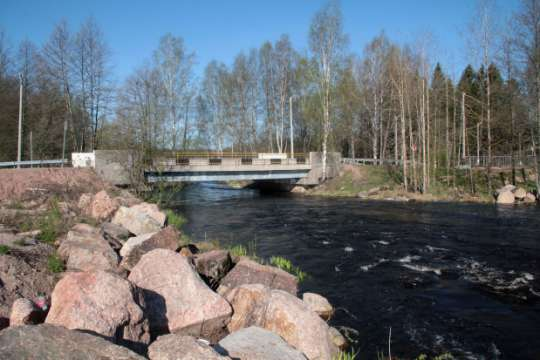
{"type": "Point", "coordinates": [445, 277]}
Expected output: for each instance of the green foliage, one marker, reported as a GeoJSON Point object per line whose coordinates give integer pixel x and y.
{"type": "Point", "coordinates": [238, 250]}
{"type": "Point", "coordinates": [445, 356]}
{"type": "Point", "coordinates": [349, 355]}
{"type": "Point", "coordinates": [55, 264]}
{"type": "Point", "coordinates": [4, 249]}
{"type": "Point", "coordinates": [50, 224]}
{"type": "Point", "coordinates": [285, 264]}
{"type": "Point", "coordinates": [241, 250]}
{"type": "Point", "coordinates": [175, 219]}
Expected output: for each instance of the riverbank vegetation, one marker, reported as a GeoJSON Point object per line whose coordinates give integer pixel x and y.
{"type": "Point", "coordinates": [384, 182]}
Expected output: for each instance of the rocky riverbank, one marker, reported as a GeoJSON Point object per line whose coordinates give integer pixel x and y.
{"type": "Point", "coordinates": [90, 271]}
{"type": "Point", "coordinates": [376, 183]}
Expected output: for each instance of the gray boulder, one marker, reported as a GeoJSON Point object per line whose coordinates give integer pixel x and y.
{"type": "Point", "coordinates": [50, 342]}
{"type": "Point", "coordinates": [140, 219]}
{"type": "Point", "coordinates": [256, 343]}
{"type": "Point", "coordinates": [179, 347]}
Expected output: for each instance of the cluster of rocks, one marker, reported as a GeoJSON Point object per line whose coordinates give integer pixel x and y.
{"type": "Point", "coordinates": [510, 194]}
{"type": "Point", "coordinates": [131, 290]}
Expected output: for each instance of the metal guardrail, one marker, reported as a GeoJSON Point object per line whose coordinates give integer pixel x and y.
{"type": "Point", "coordinates": [369, 161]}
{"type": "Point", "coordinates": [31, 163]}
{"type": "Point", "coordinates": [498, 161]}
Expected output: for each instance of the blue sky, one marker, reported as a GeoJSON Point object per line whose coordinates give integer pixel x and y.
{"type": "Point", "coordinates": [220, 29]}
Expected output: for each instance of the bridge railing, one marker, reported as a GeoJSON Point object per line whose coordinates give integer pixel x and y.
{"type": "Point", "coordinates": [243, 162]}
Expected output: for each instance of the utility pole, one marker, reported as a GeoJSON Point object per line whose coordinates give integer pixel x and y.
{"type": "Point", "coordinates": [31, 149]}
{"type": "Point", "coordinates": [464, 124]}
{"type": "Point", "coordinates": [64, 142]}
{"type": "Point", "coordinates": [291, 127]}
{"type": "Point", "coordinates": [19, 140]}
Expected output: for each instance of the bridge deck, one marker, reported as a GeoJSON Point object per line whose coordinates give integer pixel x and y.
{"type": "Point", "coordinates": [226, 169]}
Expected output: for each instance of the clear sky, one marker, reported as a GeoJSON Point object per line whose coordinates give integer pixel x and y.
{"type": "Point", "coordinates": [216, 29]}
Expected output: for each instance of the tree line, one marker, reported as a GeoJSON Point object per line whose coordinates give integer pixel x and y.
{"type": "Point", "coordinates": [390, 102]}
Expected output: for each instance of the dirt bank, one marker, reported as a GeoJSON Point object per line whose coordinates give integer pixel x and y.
{"type": "Point", "coordinates": [24, 184]}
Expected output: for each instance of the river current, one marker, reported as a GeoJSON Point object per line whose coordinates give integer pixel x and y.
{"type": "Point", "coordinates": [444, 277]}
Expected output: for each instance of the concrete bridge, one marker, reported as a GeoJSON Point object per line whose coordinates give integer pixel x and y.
{"type": "Point", "coordinates": [117, 167]}
{"type": "Point", "coordinates": [204, 167]}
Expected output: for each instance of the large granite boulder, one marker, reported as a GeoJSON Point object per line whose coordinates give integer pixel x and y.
{"type": "Point", "coordinates": [285, 315]}
{"type": "Point", "coordinates": [177, 299]}
{"type": "Point", "coordinates": [256, 343]}
{"type": "Point", "coordinates": [103, 303]}
{"type": "Point", "coordinates": [140, 219]}
{"type": "Point", "coordinates": [213, 265]}
{"type": "Point", "coordinates": [86, 250]}
{"type": "Point", "coordinates": [506, 198]}
{"type": "Point", "coordinates": [318, 304]}
{"type": "Point", "coordinates": [251, 272]}
{"type": "Point", "coordinates": [135, 247]}
{"type": "Point", "coordinates": [50, 342]}
{"type": "Point", "coordinates": [180, 347]}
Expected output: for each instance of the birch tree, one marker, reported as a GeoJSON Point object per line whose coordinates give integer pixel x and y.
{"type": "Point", "coordinates": [326, 41]}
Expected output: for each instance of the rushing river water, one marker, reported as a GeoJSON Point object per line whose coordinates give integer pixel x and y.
{"type": "Point", "coordinates": [457, 278]}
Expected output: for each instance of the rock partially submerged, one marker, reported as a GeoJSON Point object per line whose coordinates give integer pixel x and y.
{"type": "Point", "coordinates": [50, 342]}
{"type": "Point", "coordinates": [284, 314]}
{"type": "Point", "coordinates": [136, 247]}
{"type": "Point", "coordinates": [251, 272]}
{"type": "Point", "coordinates": [506, 198]}
{"type": "Point", "coordinates": [140, 219]}
{"type": "Point", "coordinates": [177, 300]}
{"type": "Point", "coordinates": [257, 343]}
{"type": "Point", "coordinates": [103, 303]}
{"type": "Point", "coordinates": [180, 347]}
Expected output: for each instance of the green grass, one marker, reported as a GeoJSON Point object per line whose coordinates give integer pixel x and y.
{"type": "Point", "coordinates": [50, 224]}
{"type": "Point", "coordinates": [446, 356]}
{"type": "Point", "coordinates": [175, 219]}
{"type": "Point", "coordinates": [349, 355]}
{"type": "Point", "coordinates": [286, 265]}
{"type": "Point", "coordinates": [4, 249]}
{"type": "Point", "coordinates": [55, 264]}
{"type": "Point", "coordinates": [240, 250]}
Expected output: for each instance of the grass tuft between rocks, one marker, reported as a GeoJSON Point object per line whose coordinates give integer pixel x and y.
{"type": "Point", "coordinates": [286, 265]}
{"type": "Point", "coordinates": [55, 264]}
{"type": "Point", "coordinates": [175, 219]}
{"type": "Point", "coordinates": [349, 355]}
{"type": "Point", "coordinates": [4, 249]}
